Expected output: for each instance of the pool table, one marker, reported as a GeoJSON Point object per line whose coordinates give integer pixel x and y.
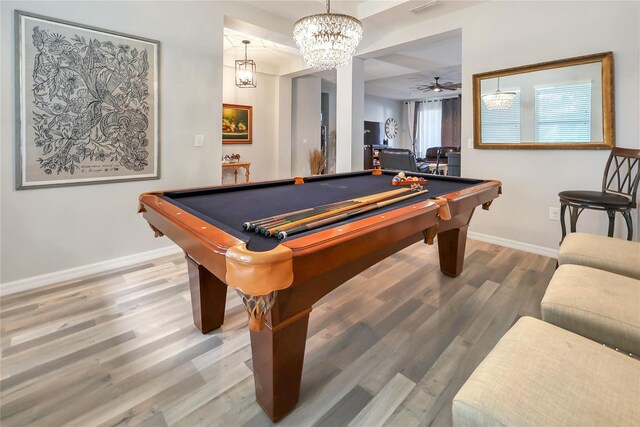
{"type": "Point", "coordinates": [279, 281]}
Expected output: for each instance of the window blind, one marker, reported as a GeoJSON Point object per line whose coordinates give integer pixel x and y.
{"type": "Point", "coordinates": [502, 125]}
{"type": "Point", "coordinates": [563, 113]}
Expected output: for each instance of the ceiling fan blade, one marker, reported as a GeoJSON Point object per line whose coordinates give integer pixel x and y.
{"type": "Point", "coordinates": [436, 86]}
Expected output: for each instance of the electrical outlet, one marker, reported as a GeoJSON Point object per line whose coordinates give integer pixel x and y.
{"type": "Point", "coordinates": [199, 140]}
{"type": "Point", "coordinates": [554, 214]}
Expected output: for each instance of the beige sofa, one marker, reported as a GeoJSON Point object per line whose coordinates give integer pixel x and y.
{"type": "Point", "coordinates": [542, 375]}
{"type": "Point", "coordinates": [556, 372]}
{"type": "Point", "coordinates": [604, 253]}
{"type": "Point", "coordinates": [597, 304]}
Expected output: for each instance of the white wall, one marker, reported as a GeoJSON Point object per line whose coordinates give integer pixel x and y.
{"type": "Point", "coordinates": [305, 122]}
{"type": "Point", "coordinates": [330, 89]}
{"type": "Point", "coordinates": [47, 230]}
{"type": "Point", "coordinates": [262, 151]}
{"type": "Point", "coordinates": [285, 111]}
{"type": "Point", "coordinates": [532, 179]}
{"type": "Point", "coordinates": [377, 109]}
{"type": "Point", "coordinates": [404, 140]}
{"type": "Point", "coordinates": [509, 34]}
{"type": "Point", "coordinates": [350, 116]}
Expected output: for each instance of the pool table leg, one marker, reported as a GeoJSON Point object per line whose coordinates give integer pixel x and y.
{"type": "Point", "coordinates": [278, 355]}
{"type": "Point", "coordinates": [451, 247]}
{"type": "Point", "coordinates": [208, 297]}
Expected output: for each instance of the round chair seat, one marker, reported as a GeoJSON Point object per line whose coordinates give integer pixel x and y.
{"type": "Point", "coordinates": [606, 200]}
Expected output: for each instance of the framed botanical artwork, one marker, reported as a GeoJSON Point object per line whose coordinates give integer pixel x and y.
{"type": "Point", "coordinates": [87, 104]}
{"type": "Point", "coordinates": [237, 124]}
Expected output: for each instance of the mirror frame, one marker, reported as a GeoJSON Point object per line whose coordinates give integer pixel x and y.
{"type": "Point", "coordinates": [606, 58]}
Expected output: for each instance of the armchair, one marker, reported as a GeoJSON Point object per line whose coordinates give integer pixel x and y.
{"type": "Point", "coordinates": [398, 158]}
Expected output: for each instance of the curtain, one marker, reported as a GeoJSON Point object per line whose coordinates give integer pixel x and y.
{"type": "Point", "coordinates": [429, 127]}
{"type": "Point", "coordinates": [451, 122]}
{"type": "Point", "coordinates": [412, 122]}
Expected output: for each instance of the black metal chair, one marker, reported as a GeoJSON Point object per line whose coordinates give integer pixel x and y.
{"type": "Point", "coordinates": [437, 155]}
{"type": "Point", "coordinates": [398, 158]}
{"type": "Point", "coordinates": [619, 189]}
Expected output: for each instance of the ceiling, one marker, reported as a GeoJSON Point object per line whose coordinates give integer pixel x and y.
{"type": "Point", "coordinates": [263, 52]}
{"type": "Point", "coordinates": [294, 10]}
{"type": "Point", "coordinates": [395, 75]}
{"type": "Point", "coordinates": [389, 74]}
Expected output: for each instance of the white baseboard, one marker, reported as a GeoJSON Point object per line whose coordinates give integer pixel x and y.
{"type": "Point", "coordinates": [85, 270]}
{"type": "Point", "coordinates": [526, 247]}
{"type": "Point", "coordinates": [139, 258]}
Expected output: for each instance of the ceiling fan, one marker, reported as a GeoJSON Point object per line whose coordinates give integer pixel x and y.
{"type": "Point", "coordinates": [438, 87]}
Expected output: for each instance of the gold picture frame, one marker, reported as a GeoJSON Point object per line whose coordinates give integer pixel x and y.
{"type": "Point", "coordinates": [605, 140]}
{"type": "Point", "coordinates": [237, 124]}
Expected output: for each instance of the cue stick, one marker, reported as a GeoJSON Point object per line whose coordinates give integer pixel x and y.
{"type": "Point", "coordinates": [363, 201]}
{"type": "Point", "coordinates": [260, 227]}
{"type": "Point", "coordinates": [250, 225]}
{"type": "Point", "coordinates": [343, 216]}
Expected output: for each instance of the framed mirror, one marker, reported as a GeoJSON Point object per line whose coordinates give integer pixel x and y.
{"type": "Point", "coordinates": [565, 104]}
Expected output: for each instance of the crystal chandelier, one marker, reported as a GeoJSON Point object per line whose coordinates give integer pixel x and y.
{"type": "Point", "coordinates": [498, 100]}
{"type": "Point", "coordinates": [245, 70]}
{"type": "Point", "coordinates": [327, 40]}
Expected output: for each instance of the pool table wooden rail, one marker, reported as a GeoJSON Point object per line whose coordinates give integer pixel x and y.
{"type": "Point", "coordinates": [209, 245]}
{"type": "Point", "coordinates": [337, 246]}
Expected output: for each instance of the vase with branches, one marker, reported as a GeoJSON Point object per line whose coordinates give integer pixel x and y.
{"type": "Point", "coordinates": [316, 161]}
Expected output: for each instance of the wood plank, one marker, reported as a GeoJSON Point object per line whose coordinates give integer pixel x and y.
{"type": "Point", "coordinates": [342, 412]}
{"type": "Point", "coordinates": [392, 346]}
{"type": "Point", "coordinates": [382, 406]}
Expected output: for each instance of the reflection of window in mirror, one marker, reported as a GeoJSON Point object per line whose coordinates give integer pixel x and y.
{"type": "Point", "coordinates": [563, 113]}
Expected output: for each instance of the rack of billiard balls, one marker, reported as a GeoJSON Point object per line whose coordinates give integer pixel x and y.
{"type": "Point", "coordinates": [402, 179]}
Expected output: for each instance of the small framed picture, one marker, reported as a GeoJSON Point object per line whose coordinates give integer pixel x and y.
{"type": "Point", "coordinates": [87, 104]}
{"type": "Point", "coordinates": [237, 124]}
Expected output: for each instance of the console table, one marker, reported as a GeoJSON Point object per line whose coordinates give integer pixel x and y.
{"type": "Point", "coordinates": [235, 166]}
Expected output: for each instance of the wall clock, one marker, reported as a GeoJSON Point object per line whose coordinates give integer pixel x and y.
{"type": "Point", "coordinates": [391, 128]}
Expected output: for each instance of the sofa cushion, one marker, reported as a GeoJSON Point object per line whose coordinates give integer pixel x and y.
{"type": "Point", "coordinates": [606, 253]}
{"type": "Point", "coordinates": [541, 375]}
{"type": "Point", "coordinates": [596, 304]}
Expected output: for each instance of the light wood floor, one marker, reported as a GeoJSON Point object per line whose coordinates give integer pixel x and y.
{"type": "Point", "coordinates": [390, 347]}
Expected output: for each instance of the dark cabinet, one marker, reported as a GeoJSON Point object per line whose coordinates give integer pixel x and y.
{"type": "Point", "coordinates": [372, 155]}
